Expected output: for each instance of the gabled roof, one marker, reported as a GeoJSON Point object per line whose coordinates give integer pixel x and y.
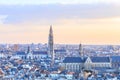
{"type": "Point", "coordinates": [39, 52]}
{"type": "Point", "coordinates": [100, 59]}
{"type": "Point", "coordinates": [73, 60]}
{"type": "Point", "coordinates": [115, 58]}
{"type": "Point", "coordinates": [20, 53]}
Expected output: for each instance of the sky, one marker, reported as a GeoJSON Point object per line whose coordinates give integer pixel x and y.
{"type": "Point", "coordinates": [73, 21]}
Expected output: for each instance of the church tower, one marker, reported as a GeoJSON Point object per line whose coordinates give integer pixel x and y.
{"type": "Point", "coordinates": [51, 45]}
{"type": "Point", "coordinates": [80, 50]}
{"type": "Point", "coordinates": [28, 50]}
{"type": "Point", "coordinates": [29, 53]}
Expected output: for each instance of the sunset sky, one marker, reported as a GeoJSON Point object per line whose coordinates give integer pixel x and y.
{"type": "Point", "coordinates": [73, 21]}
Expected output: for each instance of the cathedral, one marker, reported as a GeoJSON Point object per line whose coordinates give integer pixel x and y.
{"type": "Point", "coordinates": [80, 63]}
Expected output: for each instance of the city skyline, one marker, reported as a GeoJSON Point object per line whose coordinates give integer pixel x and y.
{"type": "Point", "coordinates": [74, 22]}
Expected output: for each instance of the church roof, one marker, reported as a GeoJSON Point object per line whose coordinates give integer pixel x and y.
{"type": "Point", "coordinates": [115, 58]}
{"type": "Point", "coordinates": [39, 52]}
{"type": "Point", "coordinates": [82, 60]}
{"type": "Point", "coordinates": [101, 68]}
{"type": "Point", "coordinates": [100, 59]}
{"type": "Point", "coordinates": [73, 60]}
{"type": "Point", "coordinates": [20, 53]}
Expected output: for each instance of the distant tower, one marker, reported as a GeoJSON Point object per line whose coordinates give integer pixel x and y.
{"type": "Point", "coordinates": [16, 47]}
{"type": "Point", "coordinates": [80, 50]}
{"type": "Point", "coordinates": [29, 54]}
{"type": "Point", "coordinates": [28, 49]}
{"type": "Point", "coordinates": [51, 45]}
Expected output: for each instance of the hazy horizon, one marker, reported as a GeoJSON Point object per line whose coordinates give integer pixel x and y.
{"type": "Point", "coordinates": [73, 21]}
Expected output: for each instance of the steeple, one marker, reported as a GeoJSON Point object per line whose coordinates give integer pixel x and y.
{"type": "Point", "coordinates": [51, 31]}
{"type": "Point", "coordinates": [29, 53]}
{"type": "Point", "coordinates": [51, 45]}
{"type": "Point", "coordinates": [28, 49]}
{"type": "Point", "coordinates": [80, 50]}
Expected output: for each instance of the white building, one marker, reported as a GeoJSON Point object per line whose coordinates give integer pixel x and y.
{"type": "Point", "coordinates": [36, 55]}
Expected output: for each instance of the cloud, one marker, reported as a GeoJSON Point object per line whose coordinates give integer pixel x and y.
{"type": "Point", "coordinates": [37, 2]}
{"type": "Point", "coordinates": [2, 18]}
{"type": "Point", "coordinates": [51, 13]}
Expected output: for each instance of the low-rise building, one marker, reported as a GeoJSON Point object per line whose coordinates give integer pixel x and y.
{"type": "Point", "coordinates": [36, 55]}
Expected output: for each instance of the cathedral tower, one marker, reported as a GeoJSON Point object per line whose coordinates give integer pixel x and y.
{"type": "Point", "coordinates": [80, 50]}
{"type": "Point", "coordinates": [51, 45]}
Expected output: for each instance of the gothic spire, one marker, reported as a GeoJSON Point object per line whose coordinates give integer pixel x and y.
{"type": "Point", "coordinates": [80, 50]}
{"type": "Point", "coordinates": [51, 44]}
